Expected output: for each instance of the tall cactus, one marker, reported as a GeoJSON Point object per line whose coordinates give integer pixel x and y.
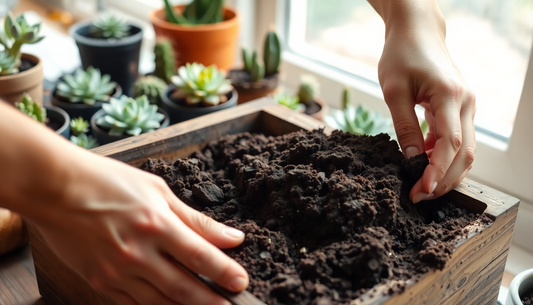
{"type": "Point", "coordinates": [150, 86]}
{"type": "Point", "coordinates": [258, 68]}
{"type": "Point", "coordinates": [164, 60]}
{"type": "Point", "coordinates": [271, 53]}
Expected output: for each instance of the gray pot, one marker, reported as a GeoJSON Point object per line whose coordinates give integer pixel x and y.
{"type": "Point", "coordinates": [103, 137]}
{"type": "Point", "coordinates": [520, 284]}
{"type": "Point", "coordinates": [180, 113]}
{"type": "Point", "coordinates": [59, 116]}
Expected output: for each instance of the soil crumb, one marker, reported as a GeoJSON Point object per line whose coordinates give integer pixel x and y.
{"type": "Point", "coordinates": [527, 297]}
{"type": "Point", "coordinates": [326, 217]}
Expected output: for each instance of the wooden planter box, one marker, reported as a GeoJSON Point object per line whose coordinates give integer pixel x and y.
{"type": "Point", "coordinates": [472, 276]}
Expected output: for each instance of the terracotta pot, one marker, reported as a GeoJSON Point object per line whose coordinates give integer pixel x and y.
{"type": "Point", "coordinates": [323, 109]}
{"type": "Point", "coordinates": [207, 44]}
{"type": "Point", "coordinates": [248, 90]}
{"type": "Point", "coordinates": [30, 81]}
{"type": "Point", "coordinates": [178, 113]}
{"type": "Point", "coordinates": [13, 231]}
{"type": "Point", "coordinates": [104, 138]}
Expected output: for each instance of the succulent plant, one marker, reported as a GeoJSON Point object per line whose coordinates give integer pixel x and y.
{"type": "Point", "coordinates": [129, 116]}
{"type": "Point", "coordinates": [196, 12]}
{"type": "Point", "coordinates": [308, 89]}
{"type": "Point", "coordinates": [86, 86]}
{"type": "Point", "coordinates": [199, 84]}
{"type": "Point", "coordinates": [109, 27]}
{"type": "Point", "coordinates": [271, 53]}
{"type": "Point", "coordinates": [164, 60]}
{"type": "Point", "coordinates": [292, 102]}
{"type": "Point", "coordinates": [17, 32]}
{"type": "Point", "coordinates": [84, 141]}
{"type": "Point", "coordinates": [31, 108]}
{"type": "Point", "coordinates": [359, 120]}
{"type": "Point", "coordinates": [79, 126]}
{"type": "Point", "coordinates": [8, 64]}
{"type": "Point", "coordinates": [151, 86]}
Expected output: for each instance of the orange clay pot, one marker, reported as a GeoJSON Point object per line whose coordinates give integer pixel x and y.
{"type": "Point", "coordinates": [13, 86]}
{"type": "Point", "coordinates": [207, 44]}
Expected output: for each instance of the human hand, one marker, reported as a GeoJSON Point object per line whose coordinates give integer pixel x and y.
{"type": "Point", "coordinates": [415, 68]}
{"type": "Point", "coordinates": [121, 229]}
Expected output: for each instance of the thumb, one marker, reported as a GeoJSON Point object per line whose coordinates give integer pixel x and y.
{"type": "Point", "coordinates": [213, 231]}
{"type": "Point", "coordinates": [402, 108]}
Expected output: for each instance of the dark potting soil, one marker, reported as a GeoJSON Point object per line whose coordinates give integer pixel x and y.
{"type": "Point", "coordinates": [26, 64]}
{"type": "Point", "coordinates": [527, 297]}
{"type": "Point", "coordinates": [241, 78]}
{"type": "Point", "coordinates": [312, 108]}
{"type": "Point", "coordinates": [53, 124]}
{"type": "Point", "coordinates": [326, 217]}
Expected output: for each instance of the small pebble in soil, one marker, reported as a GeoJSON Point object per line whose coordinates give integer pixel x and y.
{"type": "Point", "coordinates": [527, 297]}
{"type": "Point", "coordinates": [326, 217]}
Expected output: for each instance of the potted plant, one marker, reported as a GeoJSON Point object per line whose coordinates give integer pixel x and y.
{"type": "Point", "coordinates": [79, 129]}
{"type": "Point", "coordinates": [292, 102]}
{"type": "Point", "coordinates": [197, 90]}
{"type": "Point", "coordinates": [53, 117]}
{"type": "Point", "coordinates": [111, 45]}
{"type": "Point", "coordinates": [150, 86]}
{"type": "Point", "coordinates": [126, 117]}
{"type": "Point", "coordinates": [165, 64]}
{"type": "Point", "coordinates": [521, 289]}
{"type": "Point", "coordinates": [204, 31]}
{"type": "Point", "coordinates": [83, 93]}
{"type": "Point", "coordinates": [308, 95]}
{"type": "Point", "coordinates": [19, 72]}
{"type": "Point", "coordinates": [258, 78]}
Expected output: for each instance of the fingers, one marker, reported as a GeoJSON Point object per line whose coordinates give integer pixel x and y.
{"type": "Point", "coordinates": [121, 297]}
{"type": "Point", "coordinates": [401, 105]}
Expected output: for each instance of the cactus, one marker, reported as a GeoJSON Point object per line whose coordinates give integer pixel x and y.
{"type": "Point", "coordinates": [271, 53]}
{"type": "Point", "coordinates": [164, 60]}
{"type": "Point", "coordinates": [84, 141]}
{"type": "Point", "coordinates": [292, 102]}
{"type": "Point", "coordinates": [109, 27]}
{"type": "Point", "coordinates": [79, 126]}
{"type": "Point", "coordinates": [308, 89]}
{"type": "Point", "coordinates": [196, 12]}
{"type": "Point", "coordinates": [258, 69]}
{"type": "Point", "coordinates": [151, 86]}
{"type": "Point", "coordinates": [198, 84]}
{"type": "Point", "coordinates": [31, 108]}
{"type": "Point", "coordinates": [129, 116]}
{"type": "Point", "coordinates": [8, 64]}
{"type": "Point", "coordinates": [247, 59]}
{"type": "Point", "coordinates": [86, 86]}
{"type": "Point", "coordinates": [17, 32]}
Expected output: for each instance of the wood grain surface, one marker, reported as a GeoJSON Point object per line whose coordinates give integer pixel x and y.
{"type": "Point", "coordinates": [473, 275]}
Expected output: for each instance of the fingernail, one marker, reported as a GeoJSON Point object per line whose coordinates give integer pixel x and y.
{"type": "Point", "coordinates": [421, 196]}
{"type": "Point", "coordinates": [233, 233]}
{"type": "Point", "coordinates": [411, 151]}
{"type": "Point", "coordinates": [239, 283]}
{"type": "Point", "coordinates": [433, 187]}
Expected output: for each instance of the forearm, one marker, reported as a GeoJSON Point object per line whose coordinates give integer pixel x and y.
{"type": "Point", "coordinates": [411, 16]}
{"type": "Point", "coordinates": [36, 165]}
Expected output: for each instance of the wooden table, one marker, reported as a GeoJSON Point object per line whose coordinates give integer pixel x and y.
{"type": "Point", "coordinates": [18, 285]}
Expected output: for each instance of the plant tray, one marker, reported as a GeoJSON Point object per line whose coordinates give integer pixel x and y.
{"type": "Point", "coordinates": [472, 276]}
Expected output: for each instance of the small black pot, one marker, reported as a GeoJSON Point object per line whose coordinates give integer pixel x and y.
{"type": "Point", "coordinates": [103, 137]}
{"type": "Point", "coordinates": [76, 110]}
{"type": "Point", "coordinates": [58, 121]}
{"type": "Point", "coordinates": [180, 113]}
{"type": "Point", "coordinates": [116, 57]}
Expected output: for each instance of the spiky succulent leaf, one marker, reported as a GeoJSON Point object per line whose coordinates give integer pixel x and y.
{"type": "Point", "coordinates": [292, 102]}
{"type": "Point", "coordinates": [84, 141]}
{"type": "Point", "coordinates": [86, 86]}
{"type": "Point", "coordinates": [196, 12]}
{"type": "Point", "coordinates": [130, 116]}
{"type": "Point", "coordinates": [17, 32]}
{"type": "Point", "coordinates": [31, 108]}
{"type": "Point", "coordinates": [109, 27]}
{"type": "Point", "coordinates": [197, 83]}
{"type": "Point", "coordinates": [79, 126]}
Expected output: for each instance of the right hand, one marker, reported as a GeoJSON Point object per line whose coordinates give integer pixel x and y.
{"type": "Point", "coordinates": [121, 229]}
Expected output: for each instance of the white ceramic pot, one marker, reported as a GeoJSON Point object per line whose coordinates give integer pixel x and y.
{"type": "Point", "coordinates": [520, 284]}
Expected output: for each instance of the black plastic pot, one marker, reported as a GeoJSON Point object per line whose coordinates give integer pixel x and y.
{"type": "Point", "coordinates": [180, 113]}
{"type": "Point", "coordinates": [58, 120]}
{"type": "Point", "coordinates": [116, 57]}
{"type": "Point", "coordinates": [103, 137]}
{"type": "Point", "coordinates": [76, 110]}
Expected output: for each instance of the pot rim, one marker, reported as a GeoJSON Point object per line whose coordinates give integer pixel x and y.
{"type": "Point", "coordinates": [104, 43]}
{"type": "Point", "coordinates": [63, 113]}
{"type": "Point", "coordinates": [169, 103]}
{"type": "Point", "coordinates": [520, 283]}
{"type": "Point", "coordinates": [38, 65]}
{"type": "Point", "coordinates": [160, 22]}
{"type": "Point", "coordinates": [99, 113]}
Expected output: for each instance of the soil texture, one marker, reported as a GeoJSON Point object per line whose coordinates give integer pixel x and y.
{"type": "Point", "coordinates": [326, 217]}
{"type": "Point", "coordinates": [53, 124]}
{"type": "Point", "coordinates": [527, 297]}
{"type": "Point", "coordinates": [242, 79]}
{"type": "Point", "coordinates": [26, 64]}
{"type": "Point", "coordinates": [312, 108]}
